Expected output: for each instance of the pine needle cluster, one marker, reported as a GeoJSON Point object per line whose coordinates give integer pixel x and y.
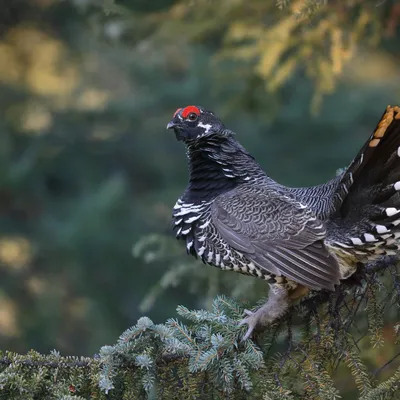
{"type": "Point", "coordinates": [201, 355]}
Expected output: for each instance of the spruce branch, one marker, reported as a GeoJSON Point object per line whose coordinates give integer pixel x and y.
{"type": "Point", "coordinates": [203, 356]}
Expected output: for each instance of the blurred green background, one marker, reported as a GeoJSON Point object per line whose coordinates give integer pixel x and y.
{"type": "Point", "coordinates": [89, 174]}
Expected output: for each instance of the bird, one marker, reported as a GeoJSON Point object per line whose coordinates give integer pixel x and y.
{"type": "Point", "coordinates": [233, 216]}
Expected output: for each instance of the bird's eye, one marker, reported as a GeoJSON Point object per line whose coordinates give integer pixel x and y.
{"type": "Point", "coordinates": [192, 116]}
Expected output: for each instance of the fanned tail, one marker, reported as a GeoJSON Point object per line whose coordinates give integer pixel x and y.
{"type": "Point", "coordinates": [367, 200]}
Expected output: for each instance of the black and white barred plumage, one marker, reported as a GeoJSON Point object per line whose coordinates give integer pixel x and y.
{"type": "Point", "coordinates": [233, 216]}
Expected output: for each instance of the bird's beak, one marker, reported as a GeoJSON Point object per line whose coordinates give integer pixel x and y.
{"type": "Point", "coordinates": [171, 125]}
{"type": "Point", "coordinates": [175, 125]}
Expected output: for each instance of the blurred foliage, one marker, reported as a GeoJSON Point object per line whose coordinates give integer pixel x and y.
{"type": "Point", "coordinates": [87, 169]}
{"type": "Point", "coordinates": [203, 357]}
{"type": "Point", "coordinates": [265, 44]}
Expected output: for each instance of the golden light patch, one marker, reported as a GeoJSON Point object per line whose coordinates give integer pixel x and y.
{"type": "Point", "coordinates": [11, 69]}
{"type": "Point", "coordinates": [8, 317]}
{"type": "Point", "coordinates": [380, 132]}
{"type": "Point", "coordinates": [36, 118]}
{"type": "Point", "coordinates": [92, 99]}
{"type": "Point", "coordinates": [15, 252]}
{"type": "Point", "coordinates": [36, 285]}
{"type": "Point", "coordinates": [374, 142]}
{"type": "Point", "coordinates": [50, 73]}
{"type": "Point", "coordinates": [79, 307]}
{"type": "Point", "coordinates": [385, 121]}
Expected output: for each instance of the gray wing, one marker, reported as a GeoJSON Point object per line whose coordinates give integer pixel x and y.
{"type": "Point", "coordinates": [277, 233]}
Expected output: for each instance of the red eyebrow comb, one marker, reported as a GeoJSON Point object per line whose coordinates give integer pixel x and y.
{"type": "Point", "coordinates": [190, 109]}
{"type": "Point", "coordinates": [176, 112]}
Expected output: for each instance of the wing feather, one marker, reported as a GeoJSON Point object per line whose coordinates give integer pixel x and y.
{"type": "Point", "coordinates": [294, 270]}
{"type": "Point", "coordinates": [277, 233]}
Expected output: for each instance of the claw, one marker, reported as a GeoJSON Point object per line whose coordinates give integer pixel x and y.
{"type": "Point", "coordinates": [276, 306]}
{"type": "Point", "coordinates": [251, 320]}
{"type": "Point", "coordinates": [249, 331]}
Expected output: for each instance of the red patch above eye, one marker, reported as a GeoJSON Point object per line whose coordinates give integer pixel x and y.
{"type": "Point", "coordinates": [176, 112]}
{"type": "Point", "coordinates": [190, 109]}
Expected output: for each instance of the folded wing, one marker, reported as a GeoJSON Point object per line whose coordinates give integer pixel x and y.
{"type": "Point", "coordinates": [277, 233]}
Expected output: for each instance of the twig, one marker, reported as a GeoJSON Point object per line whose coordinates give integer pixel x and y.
{"type": "Point", "coordinates": [380, 369]}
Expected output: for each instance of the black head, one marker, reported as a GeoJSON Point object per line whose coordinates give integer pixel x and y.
{"type": "Point", "coordinates": [193, 123]}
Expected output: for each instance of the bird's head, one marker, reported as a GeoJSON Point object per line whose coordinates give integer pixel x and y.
{"type": "Point", "coordinates": [192, 123]}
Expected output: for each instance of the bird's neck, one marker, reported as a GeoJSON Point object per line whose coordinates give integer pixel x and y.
{"type": "Point", "coordinates": [217, 166]}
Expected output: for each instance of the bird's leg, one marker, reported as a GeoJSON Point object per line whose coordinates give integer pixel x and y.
{"type": "Point", "coordinates": [276, 306]}
{"type": "Point", "coordinates": [279, 300]}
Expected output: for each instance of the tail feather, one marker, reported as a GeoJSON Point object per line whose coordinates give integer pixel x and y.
{"type": "Point", "coordinates": [367, 200]}
{"type": "Point", "coordinates": [372, 176]}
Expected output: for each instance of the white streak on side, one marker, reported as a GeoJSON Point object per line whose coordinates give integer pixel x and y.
{"type": "Point", "coordinates": [378, 251]}
{"type": "Point", "coordinates": [251, 266]}
{"type": "Point", "coordinates": [243, 267]}
{"type": "Point", "coordinates": [189, 245]}
{"type": "Point", "coordinates": [178, 205]}
{"type": "Point", "coordinates": [361, 253]}
{"type": "Point", "coordinates": [201, 250]}
{"type": "Point", "coordinates": [206, 127]}
{"type": "Point", "coordinates": [370, 238]}
{"type": "Point", "coordinates": [356, 241]}
{"type": "Point", "coordinates": [343, 245]}
{"type": "Point", "coordinates": [187, 209]}
{"type": "Point", "coordinates": [391, 252]}
{"type": "Point", "coordinates": [205, 224]}
{"type": "Point", "coordinates": [228, 173]}
{"type": "Point", "coordinates": [390, 211]}
{"type": "Point", "coordinates": [183, 211]}
{"type": "Point", "coordinates": [381, 229]}
{"type": "Point", "coordinates": [192, 219]}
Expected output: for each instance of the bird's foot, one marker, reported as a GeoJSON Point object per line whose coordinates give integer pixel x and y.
{"type": "Point", "coordinates": [253, 321]}
{"type": "Point", "coordinates": [277, 305]}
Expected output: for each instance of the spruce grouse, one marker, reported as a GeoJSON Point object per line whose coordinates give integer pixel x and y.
{"type": "Point", "coordinates": [235, 217]}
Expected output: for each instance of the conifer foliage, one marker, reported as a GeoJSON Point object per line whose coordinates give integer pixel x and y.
{"type": "Point", "coordinates": [201, 354]}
